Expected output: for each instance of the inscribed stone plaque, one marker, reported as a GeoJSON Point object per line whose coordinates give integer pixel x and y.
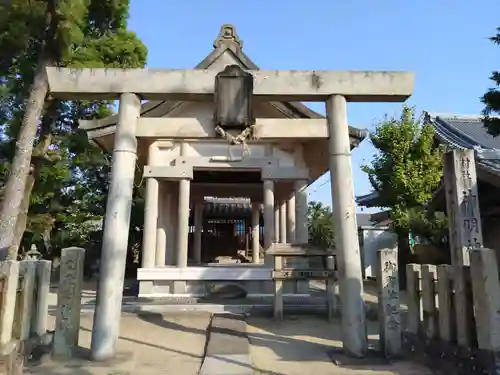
{"type": "Point", "coordinates": [69, 301]}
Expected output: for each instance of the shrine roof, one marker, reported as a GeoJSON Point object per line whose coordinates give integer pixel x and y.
{"type": "Point", "coordinates": [229, 41]}
{"type": "Point", "coordinates": [458, 132]}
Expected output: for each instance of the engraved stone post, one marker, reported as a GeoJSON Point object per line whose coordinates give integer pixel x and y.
{"type": "Point", "coordinates": [41, 310]}
{"type": "Point", "coordinates": [486, 292]}
{"type": "Point", "coordinates": [68, 302]}
{"type": "Point", "coordinates": [462, 203]}
{"type": "Point", "coordinates": [388, 302]}
{"type": "Point", "coordinates": [9, 273]}
{"type": "Point", "coordinates": [346, 232]}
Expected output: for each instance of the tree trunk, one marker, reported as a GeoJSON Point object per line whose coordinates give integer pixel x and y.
{"type": "Point", "coordinates": [403, 256]}
{"type": "Point", "coordinates": [22, 218]}
{"type": "Point", "coordinates": [20, 168]}
{"type": "Point", "coordinates": [39, 157]}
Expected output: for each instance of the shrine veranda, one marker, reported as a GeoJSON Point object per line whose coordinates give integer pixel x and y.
{"type": "Point", "coordinates": [183, 160]}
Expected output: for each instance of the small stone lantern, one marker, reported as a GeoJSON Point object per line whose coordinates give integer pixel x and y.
{"type": "Point", "coordinates": [33, 253]}
{"type": "Point", "coordinates": [233, 98]}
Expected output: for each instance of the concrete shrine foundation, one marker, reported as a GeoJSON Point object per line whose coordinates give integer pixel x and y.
{"type": "Point", "coordinates": [256, 281]}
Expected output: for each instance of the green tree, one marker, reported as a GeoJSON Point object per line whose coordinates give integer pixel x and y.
{"type": "Point", "coordinates": [320, 225]}
{"type": "Point", "coordinates": [491, 99]}
{"type": "Point", "coordinates": [405, 172]}
{"type": "Point", "coordinates": [40, 133]}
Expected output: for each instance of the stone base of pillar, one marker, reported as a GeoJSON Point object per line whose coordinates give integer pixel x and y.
{"type": "Point", "coordinates": [145, 288]}
{"type": "Point", "coordinates": [179, 287]}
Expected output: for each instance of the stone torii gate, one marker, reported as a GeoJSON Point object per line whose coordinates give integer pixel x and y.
{"type": "Point", "coordinates": [335, 88]}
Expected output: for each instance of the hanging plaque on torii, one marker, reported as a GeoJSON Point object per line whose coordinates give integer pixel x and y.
{"type": "Point", "coordinates": [233, 96]}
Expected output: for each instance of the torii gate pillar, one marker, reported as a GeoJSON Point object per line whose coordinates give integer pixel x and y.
{"type": "Point", "coordinates": [106, 326]}
{"type": "Point", "coordinates": [345, 228]}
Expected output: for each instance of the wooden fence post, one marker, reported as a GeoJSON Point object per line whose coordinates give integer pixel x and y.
{"type": "Point", "coordinates": [388, 302]}
{"type": "Point", "coordinates": [69, 302]}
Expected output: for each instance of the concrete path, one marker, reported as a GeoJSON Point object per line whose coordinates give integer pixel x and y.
{"type": "Point", "coordinates": [149, 344]}
{"type": "Point", "coordinates": [155, 344]}
{"type": "Point", "coordinates": [305, 345]}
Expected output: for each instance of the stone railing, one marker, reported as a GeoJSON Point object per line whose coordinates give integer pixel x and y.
{"type": "Point", "coordinates": [24, 309]}
{"type": "Point", "coordinates": [453, 315]}
{"type": "Point", "coordinates": [24, 293]}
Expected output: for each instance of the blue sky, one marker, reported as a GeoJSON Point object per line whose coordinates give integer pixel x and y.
{"type": "Point", "coordinates": [445, 42]}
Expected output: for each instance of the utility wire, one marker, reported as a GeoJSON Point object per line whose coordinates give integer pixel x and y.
{"type": "Point", "coordinates": [320, 186]}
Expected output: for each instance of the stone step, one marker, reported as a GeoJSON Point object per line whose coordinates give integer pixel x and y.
{"type": "Point", "coordinates": [228, 348]}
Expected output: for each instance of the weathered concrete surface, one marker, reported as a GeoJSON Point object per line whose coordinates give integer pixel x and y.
{"type": "Point", "coordinates": [301, 345]}
{"type": "Point", "coordinates": [283, 85]}
{"type": "Point", "coordinates": [228, 348]}
{"type": "Point", "coordinates": [149, 344]}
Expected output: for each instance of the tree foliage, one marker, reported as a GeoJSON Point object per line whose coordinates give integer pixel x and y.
{"type": "Point", "coordinates": [62, 177]}
{"type": "Point", "coordinates": [406, 171]}
{"type": "Point", "coordinates": [320, 225]}
{"type": "Point", "coordinates": [491, 99]}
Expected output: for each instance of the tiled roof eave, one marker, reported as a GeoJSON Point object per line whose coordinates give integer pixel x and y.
{"type": "Point", "coordinates": [457, 140]}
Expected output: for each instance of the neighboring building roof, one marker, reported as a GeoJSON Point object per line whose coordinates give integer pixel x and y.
{"type": "Point", "coordinates": [458, 132]}
{"type": "Point", "coordinates": [466, 132]}
{"type": "Point", "coordinates": [364, 219]}
{"type": "Point", "coordinates": [368, 200]}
